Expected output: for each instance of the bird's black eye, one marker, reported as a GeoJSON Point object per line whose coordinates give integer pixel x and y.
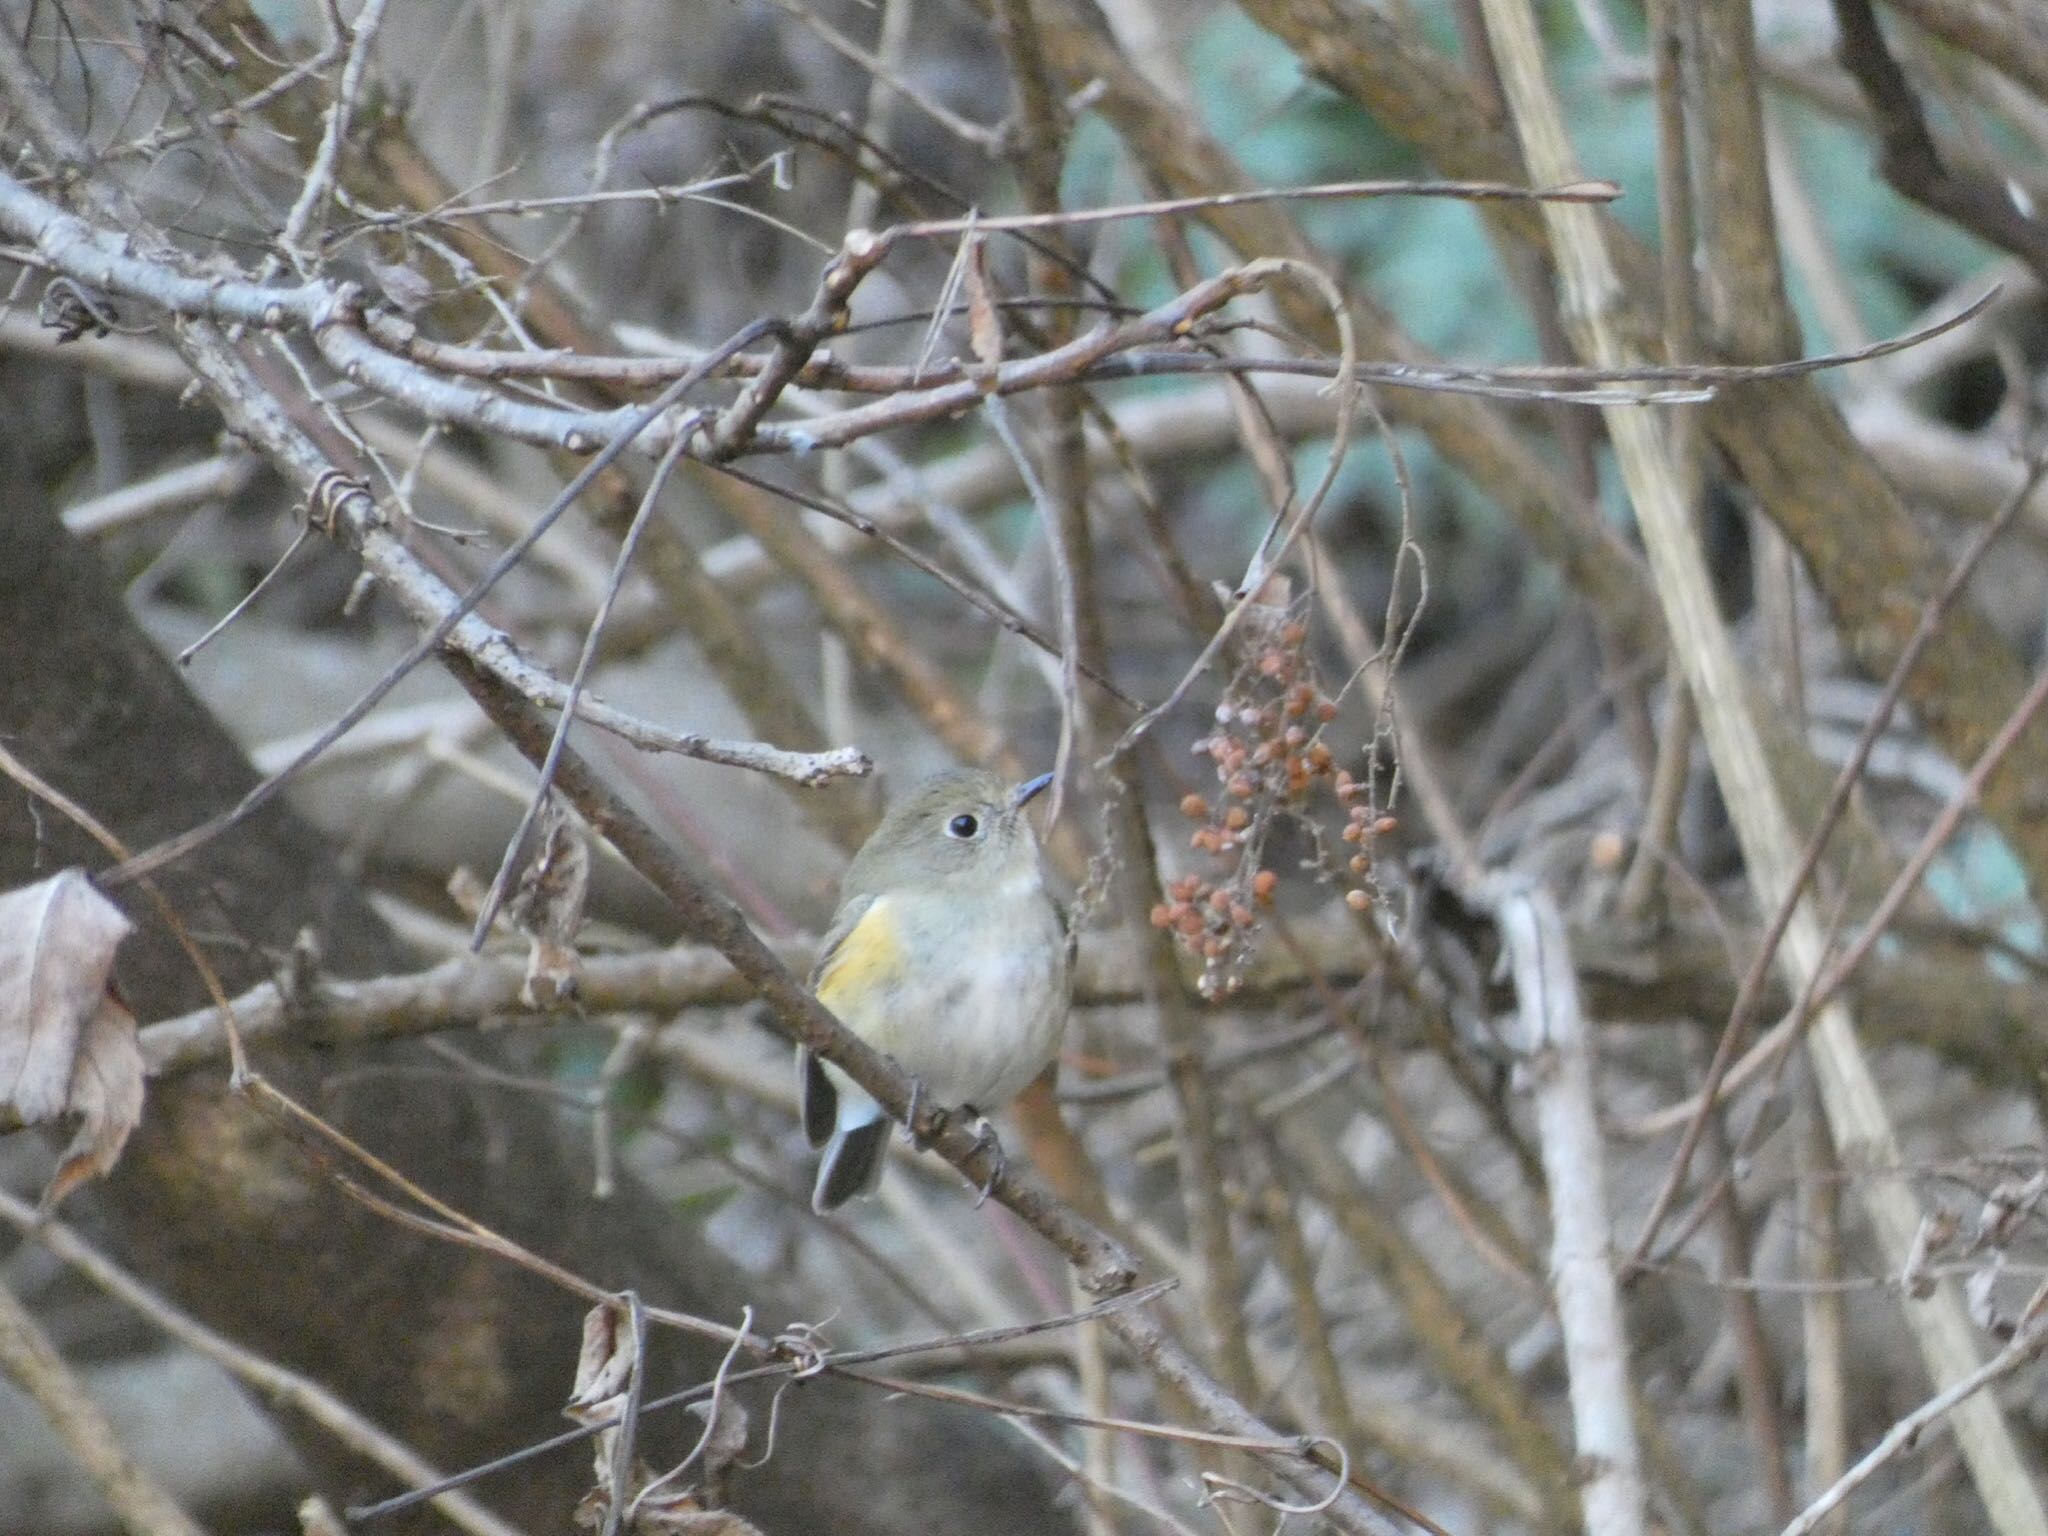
{"type": "Point", "coordinates": [962, 826]}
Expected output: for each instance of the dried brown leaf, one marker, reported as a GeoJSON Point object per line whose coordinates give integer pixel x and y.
{"type": "Point", "coordinates": [682, 1512]}
{"type": "Point", "coordinates": [67, 1044]}
{"type": "Point", "coordinates": [984, 330]}
{"type": "Point", "coordinates": [57, 943]}
{"type": "Point", "coordinates": [548, 907]}
{"type": "Point", "coordinates": [106, 1098]}
{"type": "Point", "coordinates": [604, 1365]}
{"type": "Point", "coordinates": [656, 1518]}
{"type": "Point", "coordinates": [726, 1441]}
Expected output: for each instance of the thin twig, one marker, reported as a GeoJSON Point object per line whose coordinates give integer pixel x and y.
{"type": "Point", "coordinates": [1333, 191]}
{"type": "Point", "coordinates": [1755, 978]}
{"type": "Point", "coordinates": [272, 1381]}
{"type": "Point", "coordinates": [320, 174]}
{"type": "Point", "coordinates": [1903, 1435]}
{"type": "Point", "coordinates": [798, 1355]}
{"type": "Point", "coordinates": [572, 699]}
{"type": "Point", "coordinates": [1823, 1329]}
{"type": "Point", "coordinates": [173, 490]}
{"type": "Point", "coordinates": [31, 1361]}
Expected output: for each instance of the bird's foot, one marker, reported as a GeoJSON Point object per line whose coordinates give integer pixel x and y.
{"type": "Point", "coordinates": [914, 1111]}
{"type": "Point", "coordinates": [985, 1137]}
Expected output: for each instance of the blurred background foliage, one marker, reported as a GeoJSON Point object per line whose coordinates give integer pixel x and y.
{"type": "Point", "coordinates": [1543, 730]}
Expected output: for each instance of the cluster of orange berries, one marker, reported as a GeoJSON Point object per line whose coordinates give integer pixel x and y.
{"type": "Point", "coordinates": [1206, 917]}
{"type": "Point", "coordinates": [1269, 758]}
{"type": "Point", "coordinates": [1362, 828]}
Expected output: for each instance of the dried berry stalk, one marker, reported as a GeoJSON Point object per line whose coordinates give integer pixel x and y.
{"type": "Point", "coordinates": [1271, 762]}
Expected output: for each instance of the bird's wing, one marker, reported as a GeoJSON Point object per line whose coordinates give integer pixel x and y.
{"type": "Point", "coordinates": [859, 950]}
{"type": "Point", "coordinates": [862, 963]}
{"type": "Point", "coordinates": [844, 921]}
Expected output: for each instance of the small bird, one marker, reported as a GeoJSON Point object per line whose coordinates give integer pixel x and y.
{"type": "Point", "coordinates": [948, 954]}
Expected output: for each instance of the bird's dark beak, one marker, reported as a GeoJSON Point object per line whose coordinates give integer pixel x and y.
{"type": "Point", "coordinates": [1024, 793]}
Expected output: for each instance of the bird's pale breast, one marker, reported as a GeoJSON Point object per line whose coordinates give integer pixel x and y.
{"type": "Point", "coordinates": [978, 1013]}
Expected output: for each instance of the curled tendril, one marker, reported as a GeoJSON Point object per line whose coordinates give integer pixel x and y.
{"type": "Point", "coordinates": [711, 1412]}
{"type": "Point", "coordinates": [330, 491]}
{"type": "Point", "coordinates": [1221, 1488]}
{"type": "Point", "coordinates": [774, 1423]}
{"type": "Point", "coordinates": [804, 1343]}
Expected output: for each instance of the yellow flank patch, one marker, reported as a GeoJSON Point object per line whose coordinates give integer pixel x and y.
{"type": "Point", "coordinates": [864, 965]}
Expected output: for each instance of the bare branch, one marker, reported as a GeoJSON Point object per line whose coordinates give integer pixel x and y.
{"type": "Point", "coordinates": [1558, 1058]}
{"type": "Point", "coordinates": [1909, 159]}
{"type": "Point", "coordinates": [2026, 1346]}
{"type": "Point", "coordinates": [31, 1361]}
{"type": "Point", "coordinates": [275, 1383]}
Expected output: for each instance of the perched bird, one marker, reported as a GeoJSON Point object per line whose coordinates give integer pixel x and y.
{"type": "Point", "coordinates": [948, 954]}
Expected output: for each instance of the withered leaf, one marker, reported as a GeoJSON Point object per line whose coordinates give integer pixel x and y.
{"type": "Point", "coordinates": [1980, 1298]}
{"type": "Point", "coordinates": [984, 328]}
{"type": "Point", "coordinates": [604, 1365]}
{"type": "Point", "coordinates": [67, 1044]}
{"type": "Point", "coordinates": [409, 290]}
{"type": "Point", "coordinates": [657, 1517]}
{"type": "Point", "coordinates": [725, 1440]}
{"type": "Point", "coordinates": [548, 907]}
{"type": "Point", "coordinates": [106, 1098]}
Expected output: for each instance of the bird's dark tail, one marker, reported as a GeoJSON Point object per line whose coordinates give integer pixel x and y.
{"type": "Point", "coordinates": [852, 1165]}
{"type": "Point", "coordinates": [819, 1098]}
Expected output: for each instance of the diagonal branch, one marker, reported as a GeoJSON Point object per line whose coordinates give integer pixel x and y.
{"type": "Point", "coordinates": [30, 1360]}
{"type": "Point", "coordinates": [1907, 155]}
